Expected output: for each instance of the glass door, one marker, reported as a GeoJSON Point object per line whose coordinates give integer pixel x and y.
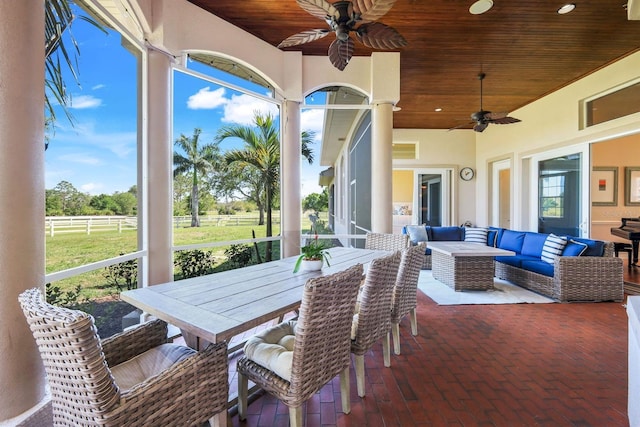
{"type": "Point", "coordinates": [432, 197]}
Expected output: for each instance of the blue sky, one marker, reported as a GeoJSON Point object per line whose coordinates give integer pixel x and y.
{"type": "Point", "coordinates": [98, 154]}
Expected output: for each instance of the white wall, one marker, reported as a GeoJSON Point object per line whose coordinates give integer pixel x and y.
{"type": "Point", "coordinates": [549, 123]}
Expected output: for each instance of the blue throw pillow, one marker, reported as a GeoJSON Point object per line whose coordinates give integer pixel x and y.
{"type": "Point", "coordinates": [553, 248]}
{"type": "Point", "coordinates": [512, 240]}
{"type": "Point", "coordinates": [475, 235]}
{"type": "Point", "coordinates": [574, 248]}
{"type": "Point", "coordinates": [417, 233]}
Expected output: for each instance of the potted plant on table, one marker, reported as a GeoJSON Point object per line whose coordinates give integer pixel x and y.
{"type": "Point", "coordinates": [312, 256]}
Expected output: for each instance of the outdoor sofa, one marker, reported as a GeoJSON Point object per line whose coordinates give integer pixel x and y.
{"type": "Point", "coordinates": [564, 268]}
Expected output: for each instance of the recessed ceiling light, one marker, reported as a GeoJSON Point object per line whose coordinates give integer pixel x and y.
{"type": "Point", "coordinates": [481, 6]}
{"type": "Point", "coordinates": [566, 8]}
{"type": "Point", "coordinates": [438, 109]}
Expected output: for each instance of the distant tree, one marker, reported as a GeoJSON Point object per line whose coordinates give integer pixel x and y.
{"type": "Point", "coordinates": [126, 203]}
{"type": "Point", "coordinates": [133, 190]}
{"type": "Point", "coordinates": [318, 202]}
{"type": "Point", "coordinates": [104, 203]}
{"type": "Point", "coordinates": [196, 160]}
{"type": "Point", "coordinates": [53, 203]}
{"type": "Point", "coordinates": [72, 201]}
{"type": "Point", "coordinates": [262, 154]}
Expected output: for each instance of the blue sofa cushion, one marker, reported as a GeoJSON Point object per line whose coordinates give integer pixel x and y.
{"type": "Point", "coordinates": [533, 244]}
{"type": "Point", "coordinates": [594, 247]}
{"type": "Point", "coordinates": [417, 233]}
{"type": "Point", "coordinates": [493, 236]}
{"type": "Point", "coordinates": [475, 235]}
{"type": "Point", "coordinates": [427, 251]}
{"type": "Point", "coordinates": [515, 261]}
{"type": "Point", "coordinates": [553, 247]}
{"type": "Point", "coordinates": [538, 266]}
{"type": "Point", "coordinates": [446, 233]}
{"type": "Point", "coordinates": [512, 240]}
{"type": "Point", "coordinates": [574, 248]}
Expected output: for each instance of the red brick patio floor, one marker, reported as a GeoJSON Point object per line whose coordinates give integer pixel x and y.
{"type": "Point", "coordinates": [485, 365]}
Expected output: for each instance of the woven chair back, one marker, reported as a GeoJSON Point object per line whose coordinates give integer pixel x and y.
{"type": "Point", "coordinates": [321, 349]}
{"type": "Point", "coordinates": [386, 242]}
{"type": "Point", "coordinates": [406, 287]}
{"type": "Point", "coordinates": [374, 316]}
{"type": "Point", "coordinates": [80, 381]}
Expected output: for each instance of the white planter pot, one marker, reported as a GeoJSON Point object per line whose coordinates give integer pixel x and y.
{"type": "Point", "coordinates": [311, 265]}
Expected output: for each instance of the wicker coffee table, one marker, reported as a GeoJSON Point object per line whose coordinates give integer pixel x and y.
{"type": "Point", "coordinates": [464, 265]}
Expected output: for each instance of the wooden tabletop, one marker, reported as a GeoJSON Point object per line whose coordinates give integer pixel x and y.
{"type": "Point", "coordinates": [218, 306]}
{"type": "Point", "coordinates": [455, 249]}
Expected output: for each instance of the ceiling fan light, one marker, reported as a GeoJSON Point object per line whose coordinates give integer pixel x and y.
{"type": "Point", "coordinates": [480, 7]}
{"type": "Point", "coordinates": [566, 8]}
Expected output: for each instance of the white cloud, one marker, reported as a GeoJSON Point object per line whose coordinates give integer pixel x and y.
{"type": "Point", "coordinates": [81, 102]}
{"type": "Point", "coordinates": [91, 188]}
{"type": "Point", "coordinates": [241, 109]}
{"type": "Point", "coordinates": [205, 99]}
{"type": "Point", "coordinates": [312, 120]}
{"type": "Point", "coordinates": [98, 86]}
{"type": "Point", "coordinates": [120, 143]}
{"type": "Point", "coordinates": [80, 158]}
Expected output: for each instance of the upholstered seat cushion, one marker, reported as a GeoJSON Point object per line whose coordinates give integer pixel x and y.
{"type": "Point", "coordinates": [273, 348]}
{"type": "Point", "coordinates": [148, 364]}
{"type": "Point", "coordinates": [417, 233]}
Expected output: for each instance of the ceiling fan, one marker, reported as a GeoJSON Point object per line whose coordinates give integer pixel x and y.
{"type": "Point", "coordinates": [483, 118]}
{"type": "Point", "coordinates": [343, 17]}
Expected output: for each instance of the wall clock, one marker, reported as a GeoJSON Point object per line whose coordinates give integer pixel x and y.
{"type": "Point", "coordinates": [467, 174]}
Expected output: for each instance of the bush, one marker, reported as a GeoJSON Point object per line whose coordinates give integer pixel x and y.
{"type": "Point", "coordinates": [55, 296]}
{"type": "Point", "coordinates": [238, 255]}
{"type": "Point", "coordinates": [123, 275]}
{"type": "Point", "coordinates": [194, 263]}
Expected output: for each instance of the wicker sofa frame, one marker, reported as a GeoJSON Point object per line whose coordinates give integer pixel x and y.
{"type": "Point", "coordinates": [585, 278]}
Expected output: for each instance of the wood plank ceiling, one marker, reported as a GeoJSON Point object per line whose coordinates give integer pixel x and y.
{"type": "Point", "coordinates": [525, 48]}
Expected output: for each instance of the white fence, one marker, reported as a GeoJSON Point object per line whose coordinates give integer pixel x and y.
{"type": "Point", "coordinates": [91, 224]}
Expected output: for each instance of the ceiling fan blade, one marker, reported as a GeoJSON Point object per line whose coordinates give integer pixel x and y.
{"type": "Point", "coordinates": [321, 9]}
{"type": "Point", "coordinates": [459, 126]}
{"type": "Point", "coordinates": [380, 36]}
{"type": "Point", "coordinates": [480, 127]}
{"type": "Point", "coordinates": [504, 120]}
{"type": "Point", "coordinates": [340, 52]}
{"type": "Point", "coordinates": [372, 10]}
{"type": "Point", "coordinates": [303, 37]}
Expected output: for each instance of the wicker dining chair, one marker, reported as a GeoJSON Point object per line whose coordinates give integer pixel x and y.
{"type": "Point", "coordinates": [372, 319]}
{"type": "Point", "coordinates": [386, 242]}
{"type": "Point", "coordinates": [294, 359]}
{"type": "Point", "coordinates": [134, 378]}
{"type": "Point", "coordinates": [405, 298]}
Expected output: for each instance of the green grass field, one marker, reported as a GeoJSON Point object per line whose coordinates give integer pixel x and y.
{"type": "Point", "coordinates": [64, 251]}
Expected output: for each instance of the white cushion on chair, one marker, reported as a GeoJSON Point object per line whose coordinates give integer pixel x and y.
{"type": "Point", "coordinates": [273, 348]}
{"type": "Point", "coordinates": [148, 364]}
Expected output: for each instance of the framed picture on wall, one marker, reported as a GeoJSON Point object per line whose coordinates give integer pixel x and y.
{"type": "Point", "coordinates": [632, 185]}
{"type": "Point", "coordinates": [604, 186]}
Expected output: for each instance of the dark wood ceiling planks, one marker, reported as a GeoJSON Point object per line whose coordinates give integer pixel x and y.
{"type": "Point", "coordinates": [525, 48]}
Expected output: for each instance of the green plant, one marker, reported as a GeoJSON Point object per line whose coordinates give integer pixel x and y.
{"type": "Point", "coordinates": [123, 274]}
{"type": "Point", "coordinates": [314, 251]}
{"type": "Point", "coordinates": [194, 263]}
{"type": "Point", "coordinates": [239, 255]}
{"type": "Point", "coordinates": [56, 296]}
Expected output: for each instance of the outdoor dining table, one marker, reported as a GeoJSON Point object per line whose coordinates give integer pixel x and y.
{"type": "Point", "coordinates": [216, 307]}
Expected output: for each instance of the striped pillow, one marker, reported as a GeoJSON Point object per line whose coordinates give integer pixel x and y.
{"type": "Point", "coordinates": [553, 248]}
{"type": "Point", "coordinates": [475, 235]}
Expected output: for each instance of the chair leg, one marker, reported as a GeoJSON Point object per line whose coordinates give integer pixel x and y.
{"type": "Point", "coordinates": [345, 390]}
{"type": "Point", "coordinates": [243, 392]}
{"type": "Point", "coordinates": [360, 374]}
{"type": "Point", "coordinates": [395, 330]}
{"type": "Point", "coordinates": [386, 349]}
{"type": "Point", "coordinates": [414, 322]}
{"type": "Point", "coordinates": [219, 420]}
{"type": "Point", "coordinates": [295, 416]}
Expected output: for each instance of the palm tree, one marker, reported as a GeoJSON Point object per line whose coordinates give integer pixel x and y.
{"type": "Point", "coordinates": [196, 160]}
{"type": "Point", "coordinates": [262, 153]}
{"type": "Point", "coordinates": [58, 18]}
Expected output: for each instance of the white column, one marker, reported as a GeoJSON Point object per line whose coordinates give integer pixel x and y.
{"type": "Point", "coordinates": [159, 169]}
{"type": "Point", "coordinates": [22, 249]}
{"type": "Point", "coordinates": [290, 179]}
{"type": "Point", "coordinates": [381, 168]}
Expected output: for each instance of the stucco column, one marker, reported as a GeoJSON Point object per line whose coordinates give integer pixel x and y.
{"type": "Point", "coordinates": [159, 169]}
{"type": "Point", "coordinates": [381, 168]}
{"type": "Point", "coordinates": [290, 179]}
{"type": "Point", "coordinates": [22, 248]}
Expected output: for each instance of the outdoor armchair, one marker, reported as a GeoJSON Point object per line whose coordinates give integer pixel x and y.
{"type": "Point", "coordinates": [134, 378]}
{"type": "Point", "coordinates": [386, 242]}
{"type": "Point", "coordinates": [294, 359]}
{"type": "Point", "coordinates": [405, 293]}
